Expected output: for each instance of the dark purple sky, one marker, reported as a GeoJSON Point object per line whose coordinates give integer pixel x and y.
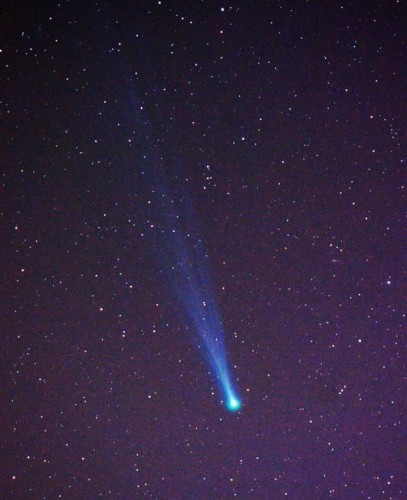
{"type": "Point", "coordinates": [286, 123]}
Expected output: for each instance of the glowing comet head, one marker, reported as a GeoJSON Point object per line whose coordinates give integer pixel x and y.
{"type": "Point", "coordinates": [231, 400]}
{"type": "Point", "coordinates": [233, 404]}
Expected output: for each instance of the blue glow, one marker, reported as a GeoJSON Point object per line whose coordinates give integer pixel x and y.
{"type": "Point", "coordinates": [192, 286]}
{"type": "Point", "coordinates": [234, 404]}
{"type": "Point", "coordinates": [172, 227]}
{"type": "Point", "coordinates": [184, 262]}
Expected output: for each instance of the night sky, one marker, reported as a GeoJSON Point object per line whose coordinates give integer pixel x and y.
{"type": "Point", "coordinates": [282, 126]}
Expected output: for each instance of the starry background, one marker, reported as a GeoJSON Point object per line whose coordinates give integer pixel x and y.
{"type": "Point", "coordinates": [286, 120]}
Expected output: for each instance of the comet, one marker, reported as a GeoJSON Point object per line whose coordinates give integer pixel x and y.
{"type": "Point", "coordinates": [184, 261]}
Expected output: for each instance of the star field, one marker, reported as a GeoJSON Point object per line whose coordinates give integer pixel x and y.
{"type": "Point", "coordinates": [285, 123]}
